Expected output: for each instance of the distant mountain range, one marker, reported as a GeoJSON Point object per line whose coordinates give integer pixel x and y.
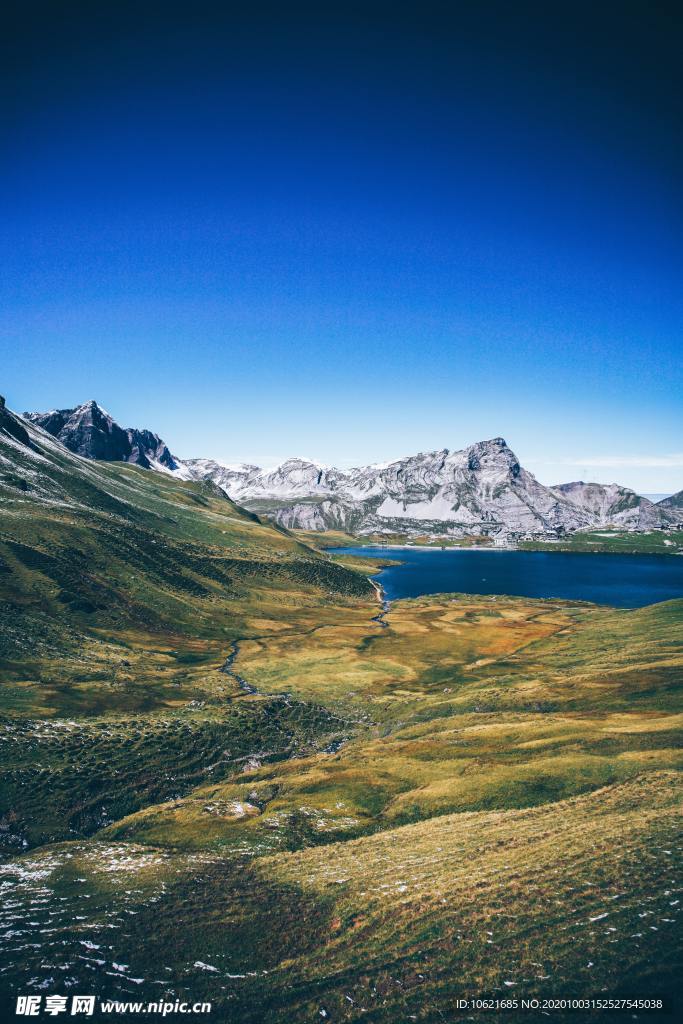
{"type": "Point", "coordinates": [479, 489]}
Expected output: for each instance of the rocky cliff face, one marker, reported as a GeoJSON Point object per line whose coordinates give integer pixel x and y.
{"type": "Point", "coordinates": [482, 488]}
{"type": "Point", "coordinates": [90, 431]}
{"type": "Point", "coordinates": [674, 503]}
{"type": "Point", "coordinates": [613, 504]}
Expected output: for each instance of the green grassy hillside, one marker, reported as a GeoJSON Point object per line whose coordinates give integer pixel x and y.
{"type": "Point", "coordinates": [121, 591]}
{"type": "Point", "coordinates": [655, 542]}
{"type": "Point", "coordinates": [572, 899]}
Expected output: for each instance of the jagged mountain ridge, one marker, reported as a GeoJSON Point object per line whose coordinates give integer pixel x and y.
{"type": "Point", "coordinates": [613, 503]}
{"type": "Point", "coordinates": [481, 488]}
{"type": "Point", "coordinates": [477, 488]}
{"type": "Point", "coordinates": [90, 431]}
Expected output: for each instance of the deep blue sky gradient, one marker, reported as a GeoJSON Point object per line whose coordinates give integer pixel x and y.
{"type": "Point", "coordinates": [351, 233]}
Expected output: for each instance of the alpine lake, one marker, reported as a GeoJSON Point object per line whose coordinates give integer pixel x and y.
{"type": "Point", "coordinates": [623, 581]}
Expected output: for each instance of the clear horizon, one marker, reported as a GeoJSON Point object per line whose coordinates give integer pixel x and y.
{"type": "Point", "coordinates": [351, 236]}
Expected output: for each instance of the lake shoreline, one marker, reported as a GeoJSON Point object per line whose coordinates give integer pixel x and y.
{"type": "Point", "coordinates": [629, 581]}
{"type": "Point", "coordinates": [545, 550]}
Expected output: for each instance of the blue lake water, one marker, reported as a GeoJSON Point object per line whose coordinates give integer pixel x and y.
{"type": "Point", "coordinates": [627, 581]}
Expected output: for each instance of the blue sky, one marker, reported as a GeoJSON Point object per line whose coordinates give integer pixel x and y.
{"type": "Point", "coordinates": [351, 236]}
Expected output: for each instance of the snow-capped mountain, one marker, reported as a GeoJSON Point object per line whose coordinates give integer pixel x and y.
{"type": "Point", "coordinates": [482, 488]}
{"type": "Point", "coordinates": [479, 489]}
{"type": "Point", "coordinates": [89, 430]}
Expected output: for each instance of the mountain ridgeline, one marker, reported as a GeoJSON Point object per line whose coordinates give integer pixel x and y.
{"type": "Point", "coordinates": [673, 502]}
{"type": "Point", "coordinates": [90, 431]}
{"type": "Point", "coordinates": [481, 489]}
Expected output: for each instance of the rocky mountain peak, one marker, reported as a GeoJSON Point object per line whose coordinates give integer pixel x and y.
{"type": "Point", "coordinates": [492, 456]}
{"type": "Point", "coordinates": [90, 431]}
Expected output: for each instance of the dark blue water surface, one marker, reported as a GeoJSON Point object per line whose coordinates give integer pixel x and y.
{"type": "Point", "coordinates": [628, 581]}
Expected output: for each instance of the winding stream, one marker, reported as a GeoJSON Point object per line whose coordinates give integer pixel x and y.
{"type": "Point", "coordinates": [382, 598]}
{"type": "Point", "coordinates": [227, 669]}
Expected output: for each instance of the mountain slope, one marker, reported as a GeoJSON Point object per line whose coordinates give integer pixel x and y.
{"type": "Point", "coordinates": [148, 549]}
{"type": "Point", "coordinates": [674, 502]}
{"type": "Point", "coordinates": [121, 595]}
{"type": "Point", "coordinates": [511, 802]}
{"type": "Point", "coordinates": [612, 504]}
{"type": "Point", "coordinates": [576, 899]}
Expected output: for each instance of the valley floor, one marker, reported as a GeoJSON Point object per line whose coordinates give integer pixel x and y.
{"type": "Point", "coordinates": [470, 798]}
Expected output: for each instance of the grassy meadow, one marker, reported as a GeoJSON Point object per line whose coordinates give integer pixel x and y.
{"type": "Point", "coordinates": [655, 542]}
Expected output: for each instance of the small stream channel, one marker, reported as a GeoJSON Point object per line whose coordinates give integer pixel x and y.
{"type": "Point", "coordinates": [227, 669]}
{"type": "Point", "coordinates": [381, 597]}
